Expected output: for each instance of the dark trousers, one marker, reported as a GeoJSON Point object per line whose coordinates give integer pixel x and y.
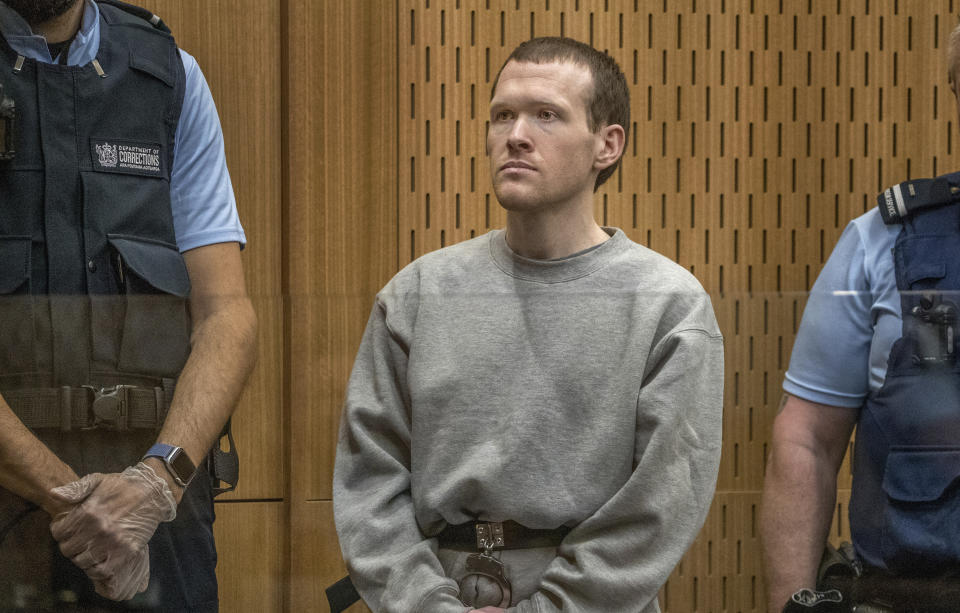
{"type": "Point", "coordinates": [34, 576]}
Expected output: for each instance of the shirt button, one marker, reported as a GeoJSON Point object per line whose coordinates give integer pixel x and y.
{"type": "Point", "coordinates": [92, 266]}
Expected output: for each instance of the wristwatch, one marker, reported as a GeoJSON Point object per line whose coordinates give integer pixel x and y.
{"type": "Point", "coordinates": [178, 464]}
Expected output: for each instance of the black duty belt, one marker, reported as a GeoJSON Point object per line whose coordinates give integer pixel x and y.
{"type": "Point", "coordinates": [121, 407]}
{"type": "Point", "coordinates": [878, 591]}
{"type": "Point", "coordinates": [500, 535]}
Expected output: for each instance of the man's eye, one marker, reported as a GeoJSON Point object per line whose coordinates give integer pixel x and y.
{"type": "Point", "coordinates": [502, 116]}
{"type": "Point", "coordinates": [547, 115]}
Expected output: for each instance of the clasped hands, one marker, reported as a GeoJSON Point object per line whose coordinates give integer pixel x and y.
{"type": "Point", "coordinates": [106, 530]}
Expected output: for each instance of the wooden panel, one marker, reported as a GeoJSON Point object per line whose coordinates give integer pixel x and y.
{"type": "Point", "coordinates": [341, 182]}
{"type": "Point", "coordinates": [316, 558]}
{"type": "Point", "coordinates": [721, 571]}
{"type": "Point", "coordinates": [245, 82]}
{"type": "Point", "coordinates": [251, 549]}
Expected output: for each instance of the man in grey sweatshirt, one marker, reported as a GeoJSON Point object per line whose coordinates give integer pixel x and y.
{"type": "Point", "coordinates": [554, 380]}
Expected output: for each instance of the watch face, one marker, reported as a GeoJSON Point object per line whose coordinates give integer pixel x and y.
{"type": "Point", "coordinates": [182, 465]}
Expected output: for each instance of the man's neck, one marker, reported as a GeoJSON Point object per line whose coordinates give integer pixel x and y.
{"type": "Point", "coordinates": [548, 235]}
{"type": "Point", "coordinates": [61, 28]}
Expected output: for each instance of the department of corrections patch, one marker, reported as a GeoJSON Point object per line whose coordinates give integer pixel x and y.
{"type": "Point", "coordinates": [127, 157]}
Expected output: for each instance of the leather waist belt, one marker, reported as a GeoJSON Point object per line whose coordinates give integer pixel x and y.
{"type": "Point", "coordinates": [121, 407]}
{"type": "Point", "coordinates": [474, 536]}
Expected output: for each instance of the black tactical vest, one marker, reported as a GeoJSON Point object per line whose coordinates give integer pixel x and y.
{"type": "Point", "coordinates": [92, 286]}
{"type": "Point", "coordinates": [905, 502]}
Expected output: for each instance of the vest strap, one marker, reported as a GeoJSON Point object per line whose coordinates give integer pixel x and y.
{"type": "Point", "coordinates": [137, 11]}
{"type": "Point", "coordinates": [122, 407]}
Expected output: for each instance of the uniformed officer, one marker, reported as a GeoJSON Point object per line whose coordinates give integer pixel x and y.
{"type": "Point", "coordinates": [876, 350]}
{"type": "Point", "coordinates": [125, 327]}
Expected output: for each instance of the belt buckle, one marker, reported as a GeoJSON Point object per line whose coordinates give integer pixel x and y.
{"type": "Point", "coordinates": [109, 407]}
{"type": "Point", "coordinates": [489, 535]}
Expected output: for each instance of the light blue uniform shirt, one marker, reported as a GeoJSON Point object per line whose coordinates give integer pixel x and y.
{"type": "Point", "coordinates": [851, 319]}
{"type": "Point", "coordinates": [201, 194]}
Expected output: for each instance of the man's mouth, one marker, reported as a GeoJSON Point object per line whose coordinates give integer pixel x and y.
{"type": "Point", "coordinates": [516, 165]}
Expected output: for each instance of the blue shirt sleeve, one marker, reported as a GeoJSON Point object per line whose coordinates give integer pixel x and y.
{"type": "Point", "coordinates": [201, 193]}
{"type": "Point", "coordinates": [831, 356]}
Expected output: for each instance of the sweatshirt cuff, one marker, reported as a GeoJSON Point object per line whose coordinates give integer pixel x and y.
{"type": "Point", "coordinates": [537, 603]}
{"type": "Point", "coordinates": [442, 599]}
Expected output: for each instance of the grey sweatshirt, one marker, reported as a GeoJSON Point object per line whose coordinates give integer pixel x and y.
{"type": "Point", "coordinates": [583, 392]}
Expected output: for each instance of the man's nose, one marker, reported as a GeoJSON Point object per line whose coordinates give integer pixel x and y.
{"type": "Point", "coordinates": [519, 137]}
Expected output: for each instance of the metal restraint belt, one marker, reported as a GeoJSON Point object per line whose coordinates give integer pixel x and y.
{"type": "Point", "coordinates": [122, 407]}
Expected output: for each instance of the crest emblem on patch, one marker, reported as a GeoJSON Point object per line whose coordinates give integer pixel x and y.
{"type": "Point", "coordinates": [107, 155]}
{"type": "Point", "coordinates": [127, 157]}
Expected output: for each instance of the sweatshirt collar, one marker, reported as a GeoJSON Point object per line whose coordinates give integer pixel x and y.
{"type": "Point", "coordinates": [555, 271]}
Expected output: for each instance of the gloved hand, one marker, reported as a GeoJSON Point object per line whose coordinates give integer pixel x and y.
{"type": "Point", "coordinates": [106, 533]}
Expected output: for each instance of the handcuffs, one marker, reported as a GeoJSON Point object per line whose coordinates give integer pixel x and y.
{"type": "Point", "coordinates": [483, 564]}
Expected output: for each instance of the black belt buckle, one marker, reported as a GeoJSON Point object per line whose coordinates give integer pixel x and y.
{"type": "Point", "coordinates": [109, 407]}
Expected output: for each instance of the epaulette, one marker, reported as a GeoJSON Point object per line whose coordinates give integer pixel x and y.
{"type": "Point", "coordinates": [138, 11]}
{"type": "Point", "coordinates": [897, 202]}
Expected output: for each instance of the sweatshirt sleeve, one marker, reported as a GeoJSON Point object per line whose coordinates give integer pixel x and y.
{"type": "Point", "coordinates": [623, 554]}
{"type": "Point", "coordinates": [392, 565]}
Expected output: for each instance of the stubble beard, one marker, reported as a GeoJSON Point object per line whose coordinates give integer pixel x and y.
{"type": "Point", "coordinates": [38, 11]}
{"type": "Point", "coordinates": [518, 200]}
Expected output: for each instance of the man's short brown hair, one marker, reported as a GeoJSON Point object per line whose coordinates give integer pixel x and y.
{"type": "Point", "coordinates": [609, 102]}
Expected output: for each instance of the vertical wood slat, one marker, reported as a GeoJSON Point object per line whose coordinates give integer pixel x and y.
{"type": "Point", "coordinates": [340, 183]}
{"type": "Point", "coordinates": [251, 540]}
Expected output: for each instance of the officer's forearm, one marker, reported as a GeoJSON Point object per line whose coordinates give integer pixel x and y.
{"type": "Point", "coordinates": [27, 467]}
{"type": "Point", "coordinates": [224, 347]}
{"type": "Point", "coordinates": [798, 500]}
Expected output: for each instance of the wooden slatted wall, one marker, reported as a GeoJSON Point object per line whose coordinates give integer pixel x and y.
{"type": "Point", "coordinates": [355, 135]}
{"type": "Point", "coordinates": [341, 201]}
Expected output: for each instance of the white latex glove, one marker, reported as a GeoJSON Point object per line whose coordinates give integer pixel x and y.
{"type": "Point", "coordinates": [106, 533]}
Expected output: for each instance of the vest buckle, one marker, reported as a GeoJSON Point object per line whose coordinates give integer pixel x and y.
{"type": "Point", "coordinates": [109, 407]}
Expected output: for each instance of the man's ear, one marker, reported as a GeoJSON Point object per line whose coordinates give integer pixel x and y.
{"type": "Point", "coordinates": [612, 139]}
